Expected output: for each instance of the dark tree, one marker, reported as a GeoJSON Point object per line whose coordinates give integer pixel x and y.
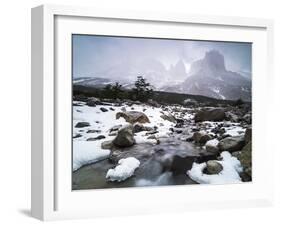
{"type": "Point", "coordinates": [142, 90]}
{"type": "Point", "coordinates": [113, 91]}
{"type": "Point", "coordinates": [117, 90]}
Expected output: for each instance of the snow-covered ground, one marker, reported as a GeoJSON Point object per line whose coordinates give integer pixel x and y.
{"type": "Point", "coordinates": [229, 174]}
{"type": "Point", "coordinates": [101, 122]}
{"type": "Point", "coordinates": [85, 152]}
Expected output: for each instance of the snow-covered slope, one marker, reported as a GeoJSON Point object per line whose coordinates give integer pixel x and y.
{"type": "Point", "coordinates": [126, 73]}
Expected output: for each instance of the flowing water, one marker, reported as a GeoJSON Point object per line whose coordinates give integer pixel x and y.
{"type": "Point", "coordinates": [158, 167]}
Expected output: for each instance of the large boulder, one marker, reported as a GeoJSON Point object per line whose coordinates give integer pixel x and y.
{"type": "Point", "coordinates": [201, 137]}
{"type": "Point", "coordinates": [183, 161]}
{"type": "Point", "coordinates": [245, 157]}
{"type": "Point", "coordinates": [232, 144]}
{"type": "Point", "coordinates": [214, 114]}
{"type": "Point", "coordinates": [213, 167]}
{"type": "Point", "coordinates": [125, 137]}
{"type": "Point", "coordinates": [133, 117]}
{"type": "Point", "coordinates": [92, 102]}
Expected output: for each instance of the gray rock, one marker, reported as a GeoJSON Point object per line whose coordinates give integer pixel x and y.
{"type": "Point", "coordinates": [213, 167]}
{"type": "Point", "coordinates": [245, 157]}
{"type": "Point", "coordinates": [115, 128]}
{"type": "Point", "coordinates": [212, 148]}
{"type": "Point", "coordinates": [215, 114]}
{"type": "Point", "coordinates": [231, 144]}
{"type": "Point", "coordinates": [113, 134]}
{"type": "Point", "coordinates": [133, 117]}
{"type": "Point", "coordinates": [92, 102]}
{"type": "Point", "coordinates": [169, 118]}
{"type": "Point", "coordinates": [138, 127]}
{"type": "Point", "coordinates": [77, 135]}
{"type": "Point", "coordinates": [232, 117]}
{"type": "Point", "coordinates": [103, 109]}
{"type": "Point", "coordinates": [106, 145]}
{"type": "Point", "coordinates": [125, 137]}
{"type": "Point", "coordinates": [82, 124]}
{"type": "Point", "coordinates": [201, 137]}
{"type": "Point", "coordinates": [181, 162]}
{"type": "Point", "coordinates": [100, 137]}
{"type": "Point", "coordinates": [248, 135]}
{"type": "Point", "coordinates": [80, 98]}
{"type": "Point", "coordinates": [247, 118]}
{"type": "Point", "coordinates": [93, 131]}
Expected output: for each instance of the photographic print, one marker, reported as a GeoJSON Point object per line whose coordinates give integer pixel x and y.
{"type": "Point", "coordinates": [158, 112]}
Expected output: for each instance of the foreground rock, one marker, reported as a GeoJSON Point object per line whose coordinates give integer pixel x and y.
{"type": "Point", "coordinates": [245, 157]}
{"type": "Point", "coordinates": [107, 144]}
{"type": "Point", "coordinates": [215, 114]}
{"type": "Point", "coordinates": [232, 144]}
{"type": "Point", "coordinates": [100, 137]}
{"type": "Point", "coordinates": [201, 137]}
{"type": "Point", "coordinates": [125, 137]}
{"type": "Point", "coordinates": [212, 146]}
{"type": "Point", "coordinates": [213, 167]}
{"type": "Point", "coordinates": [133, 117]}
{"type": "Point", "coordinates": [248, 135]}
{"type": "Point", "coordinates": [82, 124]}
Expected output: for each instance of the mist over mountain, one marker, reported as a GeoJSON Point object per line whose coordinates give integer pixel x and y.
{"type": "Point", "coordinates": [209, 77]}
{"type": "Point", "coordinates": [151, 69]}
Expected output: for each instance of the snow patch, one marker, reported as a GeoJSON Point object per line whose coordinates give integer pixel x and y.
{"type": "Point", "coordinates": [125, 169]}
{"type": "Point", "coordinates": [212, 143]}
{"type": "Point", "coordinates": [229, 174]}
{"type": "Point", "coordinates": [86, 152]}
{"type": "Point", "coordinates": [235, 131]}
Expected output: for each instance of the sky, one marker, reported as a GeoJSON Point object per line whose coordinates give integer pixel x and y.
{"type": "Point", "coordinates": [93, 55]}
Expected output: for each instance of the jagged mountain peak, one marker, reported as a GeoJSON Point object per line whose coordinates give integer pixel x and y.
{"type": "Point", "coordinates": [209, 77]}
{"type": "Point", "coordinates": [212, 64]}
{"type": "Point", "coordinates": [215, 60]}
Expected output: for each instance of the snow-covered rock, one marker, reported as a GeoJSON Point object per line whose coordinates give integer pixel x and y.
{"type": "Point", "coordinates": [230, 173]}
{"type": "Point", "coordinates": [125, 169]}
{"type": "Point", "coordinates": [212, 145]}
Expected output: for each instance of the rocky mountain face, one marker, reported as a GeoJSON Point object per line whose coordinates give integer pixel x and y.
{"type": "Point", "coordinates": [209, 77]}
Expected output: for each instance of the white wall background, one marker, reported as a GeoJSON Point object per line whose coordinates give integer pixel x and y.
{"type": "Point", "coordinates": [15, 111]}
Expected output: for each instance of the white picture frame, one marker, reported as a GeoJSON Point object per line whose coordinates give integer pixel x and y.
{"type": "Point", "coordinates": [52, 197]}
